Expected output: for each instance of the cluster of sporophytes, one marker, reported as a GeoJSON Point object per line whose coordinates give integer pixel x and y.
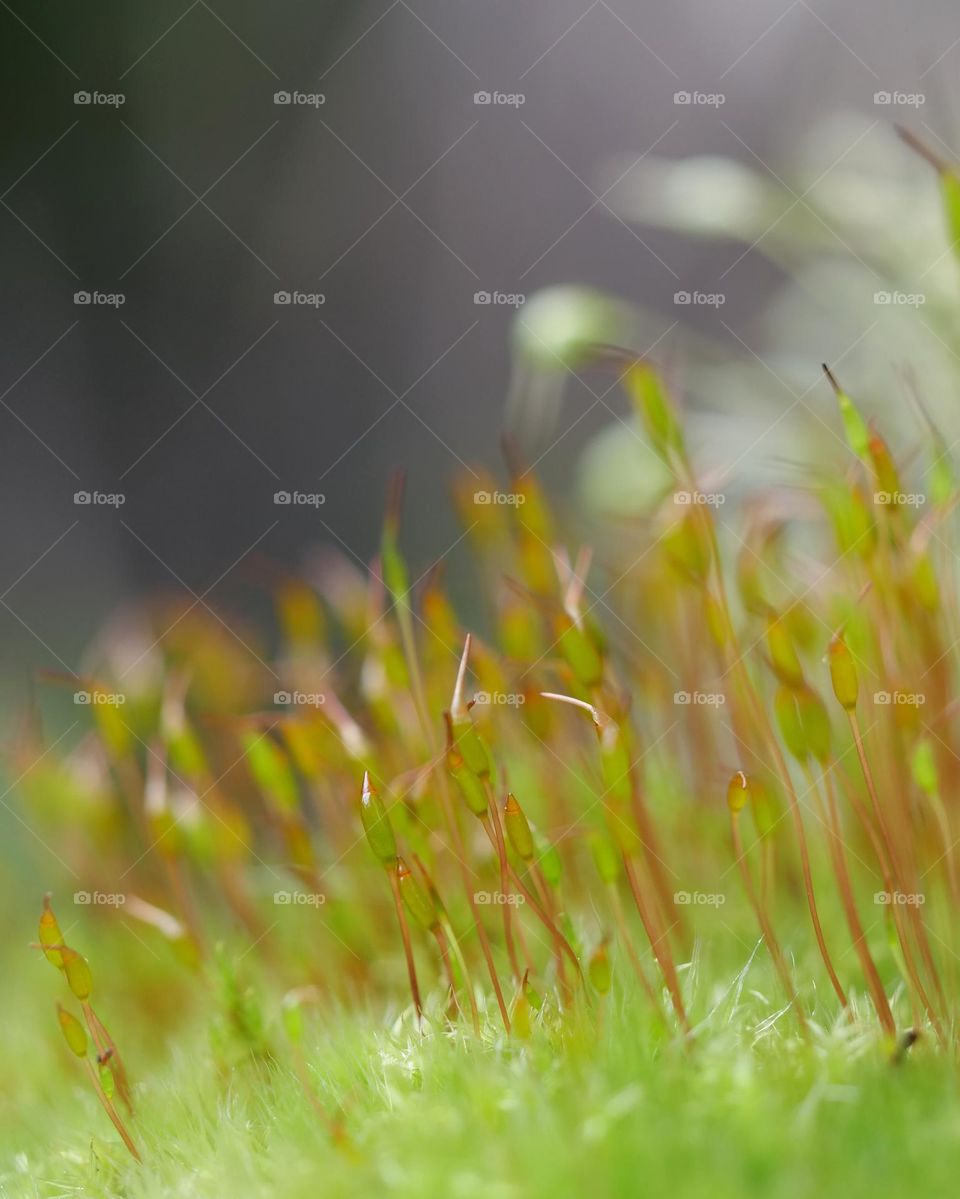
{"type": "Point", "coordinates": [496, 821]}
{"type": "Point", "coordinates": [108, 1076]}
{"type": "Point", "coordinates": [533, 800]}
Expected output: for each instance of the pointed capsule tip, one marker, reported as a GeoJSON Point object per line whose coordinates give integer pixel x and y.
{"type": "Point", "coordinates": [831, 378]}
{"type": "Point", "coordinates": [737, 792]}
{"type": "Point", "coordinates": [458, 709]}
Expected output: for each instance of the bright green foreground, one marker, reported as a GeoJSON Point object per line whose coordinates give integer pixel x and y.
{"type": "Point", "coordinates": [749, 1110]}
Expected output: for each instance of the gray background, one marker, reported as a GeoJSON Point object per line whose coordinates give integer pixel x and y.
{"type": "Point", "coordinates": [397, 199]}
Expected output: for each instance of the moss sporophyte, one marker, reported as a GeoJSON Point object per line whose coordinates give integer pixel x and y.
{"type": "Point", "coordinates": [497, 816]}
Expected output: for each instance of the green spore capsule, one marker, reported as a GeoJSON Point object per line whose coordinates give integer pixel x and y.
{"type": "Point", "coordinates": [73, 1031]}
{"type": "Point", "coordinates": [738, 792]}
{"type": "Point", "coordinates": [78, 974]}
{"type": "Point", "coordinates": [843, 674]}
{"type": "Point", "coordinates": [376, 823]}
{"type": "Point", "coordinates": [783, 654]}
{"type": "Point", "coordinates": [599, 969]}
{"type": "Point", "coordinates": [518, 829]}
{"type": "Point", "coordinates": [604, 857]}
{"type": "Point", "coordinates": [50, 935]}
{"type": "Point", "coordinates": [789, 722]}
{"type": "Point", "coordinates": [418, 902]}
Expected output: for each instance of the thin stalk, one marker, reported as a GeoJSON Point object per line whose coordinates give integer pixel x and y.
{"type": "Point", "coordinates": [407, 946]}
{"type": "Point", "coordinates": [890, 886]}
{"type": "Point", "coordinates": [459, 853]}
{"type": "Point", "coordinates": [548, 922]}
{"type": "Point", "coordinates": [766, 928]}
{"type": "Point", "coordinates": [497, 838]}
{"type": "Point", "coordinates": [845, 888]}
{"type": "Point", "coordinates": [467, 978]}
{"type": "Point", "coordinates": [624, 929]}
{"type": "Point", "coordinates": [766, 730]}
{"type": "Point", "coordinates": [803, 848]}
{"type": "Point", "coordinates": [444, 949]}
{"type": "Point", "coordinates": [543, 894]}
{"type": "Point", "coordinates": [811, 900]}
{"type": "Point", "coordinates": [641, 813]}
{"type": "Point", "coordinates": [106, 1048]}
{"type": "Point", "coordinates": [949, 847]}
{"type": "Point", "coordinates": [539, 912]}
{"type": "Point", "coordinates": [112, 1112]}
{"type": "Point", "coordinates": [413, 665]}
{"type": "Point", "coordinates": [659, 945]}
{"type": "Point", "coordinates": [899, 886]}
{"type": "Point", "coordinates": [767, 866]}
{"type": "Point", "coordinates": [451, 941]}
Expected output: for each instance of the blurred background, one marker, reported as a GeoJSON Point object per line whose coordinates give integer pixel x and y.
{"type": "Point", "coordinates": [247, 247]}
